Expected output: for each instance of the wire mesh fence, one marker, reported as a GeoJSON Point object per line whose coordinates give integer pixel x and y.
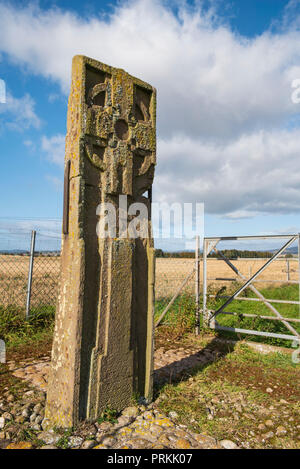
{"type": "Point", "coordinates": [13, 280]}
{"type": "Point", "coordinates": [31, 292]}
{"type": "Point", "coordinates": [29, 281]}
{"type": "Point", "coordinates": [21, 289]}
{"type": "Point", "coordinates": [174, 289]}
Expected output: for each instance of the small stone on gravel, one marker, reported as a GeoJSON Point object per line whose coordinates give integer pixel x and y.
{"type": "Point", "coordinates": [228, 444]}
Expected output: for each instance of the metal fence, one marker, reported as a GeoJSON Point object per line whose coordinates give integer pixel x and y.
{"type": "Point", "coordinates": [249, 282]}
{"type": "Point", "coordinates": [29, 278]}
{"type": "Point", "coordinates": [29, 281]}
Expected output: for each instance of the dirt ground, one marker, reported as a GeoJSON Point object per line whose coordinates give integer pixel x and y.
{"type": "Point", "coordinates": [219, 389]}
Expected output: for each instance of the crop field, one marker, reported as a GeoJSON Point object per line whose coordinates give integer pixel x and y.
{"type": "Point", "coordinates": [170, 274]}
{"type": "Point", "coordinates": [14, 277]}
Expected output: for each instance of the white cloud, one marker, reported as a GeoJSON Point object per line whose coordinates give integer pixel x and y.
{"type": "Point", "coordinates": [2, 92]}
{"type": "Point", "coordinates": [16, 234]}
{"type": "Point", "coordinates": [258, 172]}
{"type": "Point", "coordinates": [216, 92]}
{"type": "Point", "coordinates": [57, 182]}
{"type": "Point", "coordinates": [54, 148]}
{"type": "Point", "coordinates": [18, 113]}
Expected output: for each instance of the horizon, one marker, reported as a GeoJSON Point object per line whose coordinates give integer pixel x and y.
{"type": "Point", "coordinates": [230, 142]}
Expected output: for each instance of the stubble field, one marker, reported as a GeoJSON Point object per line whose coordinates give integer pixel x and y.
{"type": "Point", "coordinates": [170, 274]}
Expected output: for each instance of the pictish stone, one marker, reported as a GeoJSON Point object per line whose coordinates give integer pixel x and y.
{"type": "Point", "coordinates": [107, 278]}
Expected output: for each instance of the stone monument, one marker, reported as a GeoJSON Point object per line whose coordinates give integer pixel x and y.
{"type": "Point", "coordinates": [102, 351]}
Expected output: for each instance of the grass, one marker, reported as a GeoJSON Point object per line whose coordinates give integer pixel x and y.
{"type": "Point", "coordinates": [9, 382]}
{"type": "Point", "coordinates": [238, 375]}
{"type": "Point", "coordinates": [285, 292]}
{"type": "Point", "coordinates": [228, 399]}
{"type": "Point", "coordinates": [16, 331]}
{"type": "Point", "coordinates": [63, 442]}
{"type": "Point", "coordinates": [108, 415]}
{"type": "Point", "coordinates": [180, 319]}
{"type": "Point", "coordinates": [36, 332]}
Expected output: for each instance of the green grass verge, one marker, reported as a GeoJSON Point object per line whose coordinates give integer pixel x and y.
{"type": "Point", "coordinates": [181, 315]}
{"type": "Point", "coordinates": [229, 398]}
{"type": "Point", "coordinates": [15, 330]}
{"type": "Point", "coordinates": [285, 292]}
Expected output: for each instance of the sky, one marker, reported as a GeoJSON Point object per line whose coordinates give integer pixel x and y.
{"type": "Point", "coordinates": [228, 126]}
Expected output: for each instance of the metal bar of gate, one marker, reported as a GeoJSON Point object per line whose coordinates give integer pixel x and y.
{"type": "Point", "coordinates": [248, 282]}
{"type": "Point", "coordinates": [204, 282]}
{"type": "Point", "coordinates": [252, 332]}
{"type": "Point", "coordinates": [299, 268]}
{"type": "Point", "coordinates": [256, 299]}
{"type": "Point", "coordinates": [197, 280]}
{"type": "Point", "coordinates": [274, 310]}
{"type": "Point", "coordinates": [29, 283]}
{"type": "Point", "coordinates": [239, 238]}
{"type": "Point", "coordinates": [227, 279]}
{"type": "Point", "coordinates": [174, 298]}
{"type": "Point", "coordinates": [272, 318]}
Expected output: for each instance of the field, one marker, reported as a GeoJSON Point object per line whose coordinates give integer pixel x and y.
{"type": "Point", "coordinates": [14, 277]}
{"type": "Point", "coordinates": [170, 273]}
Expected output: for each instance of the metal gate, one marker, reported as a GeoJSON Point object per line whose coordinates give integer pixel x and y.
{"type": "Point", "coordinates": [210, 316]}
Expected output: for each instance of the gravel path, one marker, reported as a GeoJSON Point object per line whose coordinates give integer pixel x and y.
{"type": "Point", "coordinates": [137, 427]}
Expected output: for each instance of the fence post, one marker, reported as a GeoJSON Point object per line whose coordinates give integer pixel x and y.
{"type": "Point", "coordinates": [197, 281]}
{"type": "Point", "coordinates": [299, 269]}
{"type": "Point", "coordinates": [29, 283]}
{"type": "Point", "coordinates": [204, 313]}
{"type": "Point", "coordinates": [288, 270]}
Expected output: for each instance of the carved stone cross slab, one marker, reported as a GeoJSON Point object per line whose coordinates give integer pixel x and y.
{"type": "Point", "coordinates": [103, 341]}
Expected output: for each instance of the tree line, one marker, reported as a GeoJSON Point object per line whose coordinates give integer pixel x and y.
{"type": "Point", "coordinates": [229, 253]}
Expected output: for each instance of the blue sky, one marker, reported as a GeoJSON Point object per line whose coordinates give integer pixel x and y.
{"type": "Point", "coordinates": [228, 132]}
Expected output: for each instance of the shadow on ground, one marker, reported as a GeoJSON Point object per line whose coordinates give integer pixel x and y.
{"type": "Point", "coordinates": [185, 366]}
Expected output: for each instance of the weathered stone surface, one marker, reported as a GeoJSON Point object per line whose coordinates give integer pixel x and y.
{"type": "Point", "coordinates": [103, 342]}
{"type": "Point", "coordinates": [48, 447]}
{"type": "Point", "coordinates": [228, 444]}
{"type": "Point", "coordinates": [183, 443]}
{"type": "Point", "coordinates": [281, 431]}
{"type": "Point", "coordinates": [130, 412]}
{"type": "Point", "coordinates": [206, 442]}
{"type": "Point", "coordinates": [20, 445]}
{"type": "Point", "coordinates": [88, 444]}
{"type": "Point", "coordinates": [49, 438]}
{"type": "Point", "coordinates": [75, 441]}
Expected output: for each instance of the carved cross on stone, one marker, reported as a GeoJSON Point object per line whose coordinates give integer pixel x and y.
{"type": "Point", "coordinates": [103, 342]}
